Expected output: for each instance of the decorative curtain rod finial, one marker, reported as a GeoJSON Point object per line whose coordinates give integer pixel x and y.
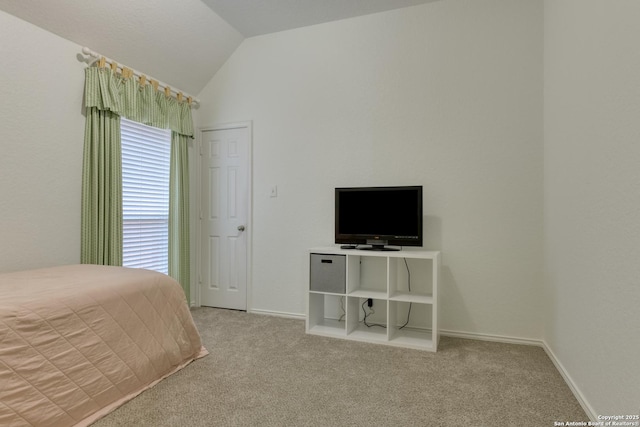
{"type": "Point", "coordinates": [89, 52]}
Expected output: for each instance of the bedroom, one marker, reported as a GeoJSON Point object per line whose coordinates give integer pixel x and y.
{"type": "Point", "coordinates": [524, 142]}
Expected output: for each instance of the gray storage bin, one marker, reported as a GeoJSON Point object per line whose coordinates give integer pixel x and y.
{"type": "Point", "coordinates": [328, 273]}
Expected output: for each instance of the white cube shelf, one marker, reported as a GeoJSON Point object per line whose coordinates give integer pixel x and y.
{"type": "Point", "coordinates": [398, 282]}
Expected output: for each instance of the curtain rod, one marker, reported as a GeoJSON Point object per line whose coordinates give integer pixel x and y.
{"type": "Point", "coordinates": [143, 77]}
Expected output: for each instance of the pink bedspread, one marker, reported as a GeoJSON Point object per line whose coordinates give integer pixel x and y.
{"type": "Point", "coordinates": [78, 341]}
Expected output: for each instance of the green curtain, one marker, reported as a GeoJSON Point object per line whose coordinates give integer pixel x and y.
{"type": "Point", "coordinates": [101, 189]}
{"type": "Point", "coordinates": [107, 97]}
{"type": "Point", "coordinates": [179, 267]}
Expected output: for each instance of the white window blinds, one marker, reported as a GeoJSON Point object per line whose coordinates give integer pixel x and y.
{"type": "Point", "coordinates": [145, 195]}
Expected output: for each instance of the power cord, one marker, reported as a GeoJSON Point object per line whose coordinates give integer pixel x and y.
{"type": "Point", "coordinates": [368, 325]}
{"type": "Point", "coordinates": [409, 286]}
{"type": "Point", "coordinates": [344, 313]}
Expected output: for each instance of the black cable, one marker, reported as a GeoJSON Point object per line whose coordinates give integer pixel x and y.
{"type": "Point", "coordinates": [409, 286]}
{"type": "Point", "coordinates": [366, 315]}
{"type": "Point", "coordinates": [408, 274]}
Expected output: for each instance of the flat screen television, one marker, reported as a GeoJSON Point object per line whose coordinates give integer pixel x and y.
{"type": "Point", "coordinates": [378, 216]}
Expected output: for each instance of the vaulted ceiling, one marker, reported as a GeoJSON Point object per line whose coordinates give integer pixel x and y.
{"type": "Point", "coordinates": [182, 43]}
{"type": "Point", "coordinates": [256, 17]}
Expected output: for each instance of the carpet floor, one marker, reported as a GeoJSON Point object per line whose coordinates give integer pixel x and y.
{"type": "Point", "coordinates": [265, 371]}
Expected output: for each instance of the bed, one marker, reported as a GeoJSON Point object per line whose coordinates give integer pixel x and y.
{"type": "Point", "coordinates": [78, 341]}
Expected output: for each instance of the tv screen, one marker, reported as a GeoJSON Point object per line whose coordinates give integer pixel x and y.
{"type": "Point", "coordinates": [379, 216]}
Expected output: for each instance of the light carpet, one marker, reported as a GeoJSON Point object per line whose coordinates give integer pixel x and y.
{"type": "Point", "coordinates": [265, 371]}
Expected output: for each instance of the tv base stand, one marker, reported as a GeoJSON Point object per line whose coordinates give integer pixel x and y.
{"type": "Point", "coordinates": [380, 248]}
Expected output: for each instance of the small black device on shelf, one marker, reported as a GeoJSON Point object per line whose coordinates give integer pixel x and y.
{"type": "Point", "coordinates": [379, 216]}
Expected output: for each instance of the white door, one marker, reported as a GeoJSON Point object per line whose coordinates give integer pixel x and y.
{"type": "Point", "coordinates": [225, 206]}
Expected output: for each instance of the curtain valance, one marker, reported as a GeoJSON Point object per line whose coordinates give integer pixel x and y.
{"type": "Point", "coordinates": [108, 90]}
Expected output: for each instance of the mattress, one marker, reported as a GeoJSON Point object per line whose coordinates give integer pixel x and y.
{"type": "Point", "coordinates": [78, 341]}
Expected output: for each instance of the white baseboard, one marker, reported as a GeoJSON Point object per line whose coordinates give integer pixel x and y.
{"type": "Point", "coordinates": [572, 385]}
{"type": "Point", "coordinates": [492, 338]}
{"type": "Point", "coordinates": [296, 316]}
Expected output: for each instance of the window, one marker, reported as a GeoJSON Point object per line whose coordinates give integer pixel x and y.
{"type": "Point", "coordinates": [145, 196]}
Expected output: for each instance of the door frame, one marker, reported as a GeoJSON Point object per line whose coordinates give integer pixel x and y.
{"type": "Point", "coordinates": [248, 125]}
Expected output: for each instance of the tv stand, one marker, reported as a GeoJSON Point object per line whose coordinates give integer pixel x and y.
{"type": "Point", "coordinates": [341, 282]}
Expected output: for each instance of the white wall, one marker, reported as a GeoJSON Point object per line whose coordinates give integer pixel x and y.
{"type": "Point", "coordinates": [41, 137]}
{"type": "Point", "coordinates": [592, 197]}
{"type": "Point", "coordinates": [447, 95]}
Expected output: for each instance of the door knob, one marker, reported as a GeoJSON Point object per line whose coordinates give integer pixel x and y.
{"type": "Point", "coordinates": [241, 228]}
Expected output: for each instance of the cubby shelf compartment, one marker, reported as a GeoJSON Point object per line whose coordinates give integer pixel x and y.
{"type": "Point", "coordinates": [395, 281]}
{"type": "Point", "coordinates": [356, 327]}
{"type": "Point", "coordinates": [324, 315]}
